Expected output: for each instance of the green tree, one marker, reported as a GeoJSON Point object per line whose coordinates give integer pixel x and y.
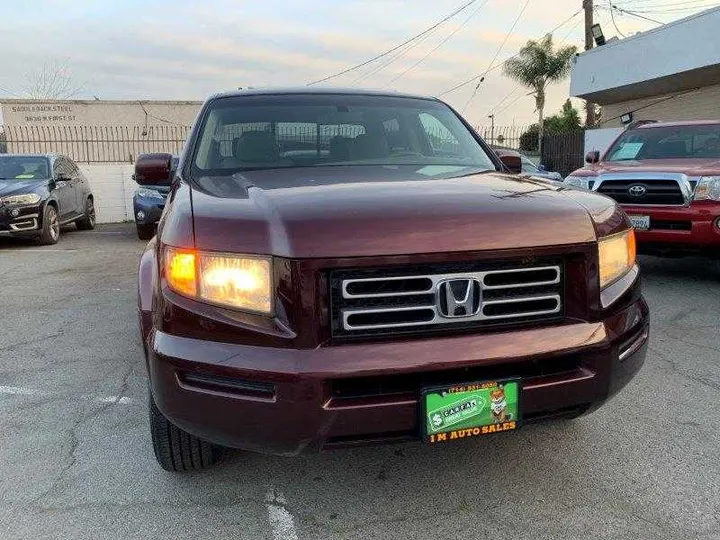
{"type": "Point", "coordinates": [567, 120]}
{"type": "Point", "coordinates": [537, 65]}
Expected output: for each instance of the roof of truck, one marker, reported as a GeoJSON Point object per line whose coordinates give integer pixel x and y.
{"type": "Point", "coordinates": [319, 90]}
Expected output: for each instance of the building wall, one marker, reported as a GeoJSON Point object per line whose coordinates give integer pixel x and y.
{"type": "Point", "coordinates": [701, 104]}
{"type": "Point", "coordinates": [29, 112]}
{"type": "Point", "coordinates": [113, 188]}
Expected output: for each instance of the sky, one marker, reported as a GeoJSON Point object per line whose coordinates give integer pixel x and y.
{"type": "Point", "coordinates": [185, 49]}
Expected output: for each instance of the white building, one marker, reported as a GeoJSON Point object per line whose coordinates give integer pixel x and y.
{"type": "Point", "coordinates": [669, 73]}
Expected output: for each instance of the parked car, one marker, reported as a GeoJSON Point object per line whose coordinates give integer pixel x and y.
{"type": "Point", "coordinates": [528, 166]}
{"type": "Point", "coordinates": [391, 282]}
{"type": "Point", "coordinates": [39, 193]}
{"type": "Point", "coordinates": [667, 178]}
{"type": "Point", "coordinates": [149, 200]}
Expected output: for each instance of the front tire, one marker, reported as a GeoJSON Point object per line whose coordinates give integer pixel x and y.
{"type": "Point", "coordinates": [87, 222]}
{"type": "Point", "coordinates": [50, 233]}
{"type": "Point", "coordinates": [175, 449]}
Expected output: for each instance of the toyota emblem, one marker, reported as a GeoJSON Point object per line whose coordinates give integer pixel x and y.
{"type": "Point", "coordinates": [637, 190]}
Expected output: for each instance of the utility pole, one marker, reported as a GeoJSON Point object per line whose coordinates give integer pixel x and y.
{"type": "Point", "coordinates": [589, 43]}
{"type": "Point", "coordinates": [492, 127]}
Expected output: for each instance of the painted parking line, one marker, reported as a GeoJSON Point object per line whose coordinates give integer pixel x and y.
{"type": "Point", "coordinates": [34, 392]}
{"type": "Point", "coordinates": [281, 521]}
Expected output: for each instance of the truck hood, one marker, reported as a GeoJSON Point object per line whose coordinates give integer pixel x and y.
{"type": "Point", "coordinates": [366, 211]}
{"type": "Point", "coordinates": [690, 167]}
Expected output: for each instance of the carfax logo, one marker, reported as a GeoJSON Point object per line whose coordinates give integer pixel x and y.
{"type": "Point", "coordinates": [454, 413]}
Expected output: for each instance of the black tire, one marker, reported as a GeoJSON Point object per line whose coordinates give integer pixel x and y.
{"type": "Point", "coordinates": [175, 449]}
{"type": "Point", "coordinates": [87, 222]}
{"type": "Point", "coordinates": [50, 233]}
{"type": "Point", "coordinates": [145, 232]}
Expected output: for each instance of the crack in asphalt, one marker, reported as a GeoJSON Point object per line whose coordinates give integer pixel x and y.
{"type": "Point", "coordinates": [74, 439]}
{"type": "Point", "coordinates": [31, 341]}
{"type": "Point", "coordinates": [675, 368]}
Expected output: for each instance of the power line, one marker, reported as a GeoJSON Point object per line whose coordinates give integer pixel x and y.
{"type": "Point", "coordinates": [439, 44]}
{"type": "Point", "coordinates": [612, 16]}
{"type": "Point", "coordinates": [621, 10]}
{"type": "Point", "coordinates": [366, 62]}
{"type": "Point", "coordinates": [476, 77]}
{"type": "Point", "coordinates": [497, 53]}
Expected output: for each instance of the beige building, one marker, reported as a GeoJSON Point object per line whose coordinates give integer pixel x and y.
{"type": "Point", "coordinates": [43, 114]}
{"type": "Point", "coordinates": [669, 73]}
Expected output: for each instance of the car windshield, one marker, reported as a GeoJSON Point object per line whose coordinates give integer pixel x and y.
{"type": "Point", "coordinates": [528, 166]}
{"type": "Point", "coordinates": [23, 168]}
{"type": "Point", "coordinates": [282, 131]}
{"type": "Point", "coordinates": [684, 142]}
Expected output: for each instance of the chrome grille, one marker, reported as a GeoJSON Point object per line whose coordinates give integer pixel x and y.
{"type": "Point", "coordinates": [373, 302]}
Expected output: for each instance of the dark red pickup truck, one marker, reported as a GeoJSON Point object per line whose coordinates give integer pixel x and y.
{"type": "Point", "coordinates": [335, 268]}
{"type": "Point", "coordinates": [666, 176]}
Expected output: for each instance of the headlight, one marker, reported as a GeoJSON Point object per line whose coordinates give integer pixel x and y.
{"type": "Point", "coordinates": [238, 281]}
{"type": "Point", "coordinates": [617, 255]}
{"type": "Point", "coordinates": [708, 189]}
{"type": "Point", "coordinates": [150, 193]}
{"type": "Point", "coordinates": [578, 181]}
{"type": "Point", "coordinates": [28, 198]}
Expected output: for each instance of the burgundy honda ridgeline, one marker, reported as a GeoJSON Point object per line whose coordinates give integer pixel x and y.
{"type": "Point", "coordinates": [336, 268]}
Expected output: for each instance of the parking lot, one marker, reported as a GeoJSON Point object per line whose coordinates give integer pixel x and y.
{"type": "Point", "coordinates": [76, 459]}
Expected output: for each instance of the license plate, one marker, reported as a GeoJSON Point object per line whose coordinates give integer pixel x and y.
{"type": "Point", "coordinates": [470, 410]}
{"type": "Point", "coordinates": [640, 222]}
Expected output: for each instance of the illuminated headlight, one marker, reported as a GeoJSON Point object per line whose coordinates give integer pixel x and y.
{"type": "Point", "coordinates": [238, 281]}
{"type": "Point", "coordinates": [150, 193]}
{"type": "Point", "coordinates": [578, 181]}
{"type": "Point", "coordinates": [28, 198]}
{"type": "Point", "coordinates": [617, 254]}
{"type": "Point", "coordinates": [708, 189]}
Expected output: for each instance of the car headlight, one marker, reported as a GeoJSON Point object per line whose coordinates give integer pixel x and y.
{"type": "Point", "coordinates": [150, 193]}
{"type": "Point", "coordinates": [238, 281]}
{"type": "Point", "coordinates": [708, 188]}
{"type": "Point", "coordinates": [617, 255]}
{"type": "Point", "coordinates": [27, 198]}
{"type": "Point", "coordinates": [578, 181]}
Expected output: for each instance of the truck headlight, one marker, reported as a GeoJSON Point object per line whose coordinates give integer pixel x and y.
{"type": "Point", "coordinates": [617, 255]}
{"type": "Point", "coordinates": [27, 198]}
{"type": "Point", "coordinates": [578, 181]}
{"type": "Point", "coordinates": [238, 281]}
{"type": "Point", "coordinates": [708, 188]}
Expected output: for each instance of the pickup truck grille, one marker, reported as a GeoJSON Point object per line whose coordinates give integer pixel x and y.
{"type": "Point", "coordinates": [655, 191]}
{"type": "Point", "coordinates": [392, 301]}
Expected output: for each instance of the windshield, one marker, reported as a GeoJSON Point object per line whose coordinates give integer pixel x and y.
{"type": "Point", "coordinates": [24, 168]}
{"type": "Point", "coordinates": [686, 142]}
{"type": "Point", "coordinates": [267, 132]}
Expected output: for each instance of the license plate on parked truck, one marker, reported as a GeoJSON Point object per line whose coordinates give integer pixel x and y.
{"type": "Point", "coordinates": [640, 222]}
{"type": "Point", "coordinates": [470, 410]}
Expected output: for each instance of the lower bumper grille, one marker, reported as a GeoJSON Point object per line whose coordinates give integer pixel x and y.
{"type": "Point", "coordinates": [394, 301]}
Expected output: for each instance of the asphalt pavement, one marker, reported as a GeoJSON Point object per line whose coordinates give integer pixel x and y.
{"type": "Point", "coordinates": [76, 460]}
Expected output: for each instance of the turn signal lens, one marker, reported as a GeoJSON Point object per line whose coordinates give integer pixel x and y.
{"type": "Point", "coordinates": [180, 270]}
{"type": "Point", "coordinates": [237, 281]}
{"type": "Point", "coordinates": [617, 255]}
{"type": "Point", "coordinates": [240, 282]}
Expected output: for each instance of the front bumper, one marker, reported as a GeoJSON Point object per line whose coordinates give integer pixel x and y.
{"type": "Point", "coordinates": [683, 229]}
{"type": "Point", "coordinates": [147, 210]}
{"type": "Point", "coordinates": [19, 220]}
{"type": "Point", "coordinates": [285, 401]}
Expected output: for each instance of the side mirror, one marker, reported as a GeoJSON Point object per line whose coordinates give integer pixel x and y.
{"type": "Point", "coordinates": [153, 170]}
{"type": "Point", "coordinates": [593, 157]}
{"type": "Point", "coordinates": [512, 163]}
{"type": "Point", "coordinates": [542, 168]}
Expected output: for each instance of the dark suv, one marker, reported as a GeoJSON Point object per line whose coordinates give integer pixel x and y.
{"type": "Point", "coordinates": [336, 268]}
{"type": "Point", "coordinates": [41, 192]}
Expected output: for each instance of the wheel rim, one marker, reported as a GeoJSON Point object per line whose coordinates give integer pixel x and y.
{"type": "Point", "coordinates": [54, 225]}
{"type": "Point", "coordinates": [91, 212]}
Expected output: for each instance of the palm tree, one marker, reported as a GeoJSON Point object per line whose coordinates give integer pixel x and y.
{"type": "Point", "coordinates": [537, 66]}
